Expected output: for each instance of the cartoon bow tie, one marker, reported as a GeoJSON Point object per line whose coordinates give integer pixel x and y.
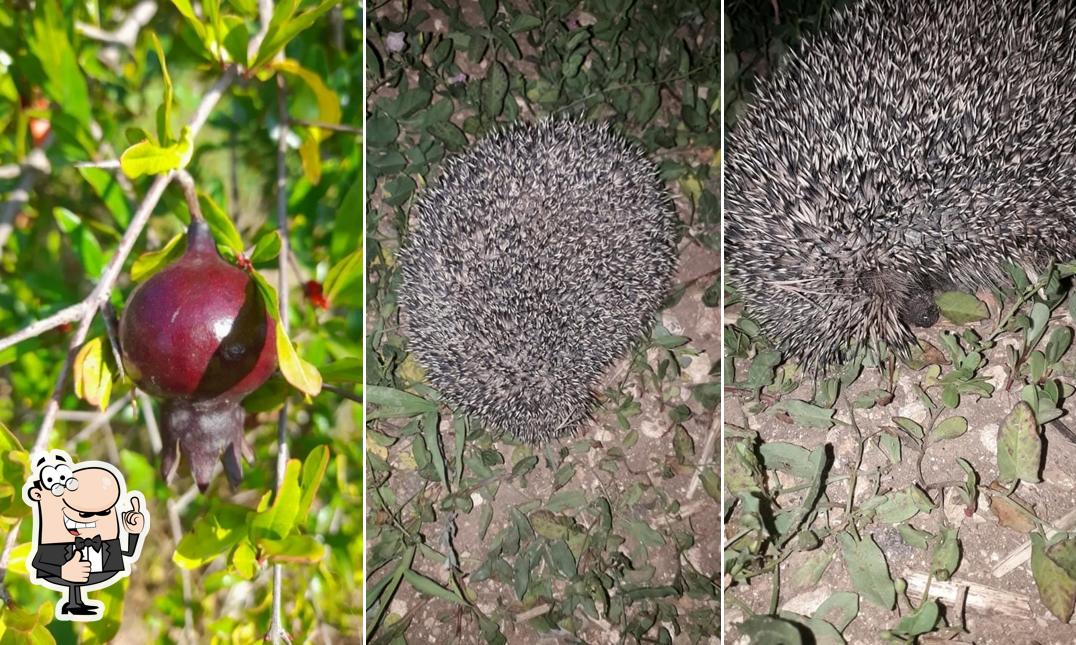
{"type": "Point", "coordinates": [93, 543]}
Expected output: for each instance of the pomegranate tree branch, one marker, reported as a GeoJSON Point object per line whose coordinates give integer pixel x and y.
{"type": "Point", "coordinates": [190, 193]}
{"type": "Point", "coordinates": [36, 165]}
{"type": "Point", "coordinates": [127, 33]}
{"type": "Point", "coordinates": [276, 629]}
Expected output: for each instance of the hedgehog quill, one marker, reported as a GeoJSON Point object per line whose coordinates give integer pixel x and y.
{"type": "Point", "coordinates": [910, 147]}
{"type": "Point", "coordinates": [536, 258]}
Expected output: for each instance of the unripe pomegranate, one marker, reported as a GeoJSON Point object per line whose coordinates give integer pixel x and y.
{"type": "Point", "coordinates": [197, 335]}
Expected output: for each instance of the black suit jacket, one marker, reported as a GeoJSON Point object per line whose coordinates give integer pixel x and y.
{"type": "Point", "coordinates": [50, 557]}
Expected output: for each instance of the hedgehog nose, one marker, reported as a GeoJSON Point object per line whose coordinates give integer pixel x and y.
{"type": "Point", "coordinates": [920, 310]}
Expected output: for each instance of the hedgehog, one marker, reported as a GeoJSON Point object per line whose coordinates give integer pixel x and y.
{"type": "Point", "coordinates": [911, 147]}
{"type": "Point", "coordinates": [536, 258]}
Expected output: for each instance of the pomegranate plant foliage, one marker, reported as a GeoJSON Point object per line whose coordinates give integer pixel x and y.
{"type": "Point", "coordinates": [121, 83]}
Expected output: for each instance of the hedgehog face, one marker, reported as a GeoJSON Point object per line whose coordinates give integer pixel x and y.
{"type": "Point", "coordinates": [852, 190]}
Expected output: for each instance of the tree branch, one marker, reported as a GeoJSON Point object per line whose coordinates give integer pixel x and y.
{"type": "Point", "coordinates": [127, 33]}
{"type": "Point", "coordinates": [277, 632]}
{"type": "Point", "coordinates": [36, 165]}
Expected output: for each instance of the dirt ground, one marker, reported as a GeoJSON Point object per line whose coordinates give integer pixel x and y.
{"type": "Point", "coordinates": [984, 542]}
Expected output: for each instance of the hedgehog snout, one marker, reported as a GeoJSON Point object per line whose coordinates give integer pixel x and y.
{"type": "Point", "coordinates": [919, 309]}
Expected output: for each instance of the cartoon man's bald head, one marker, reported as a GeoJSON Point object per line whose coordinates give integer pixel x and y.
{"type": "Point", "coordinates": [76, 502]}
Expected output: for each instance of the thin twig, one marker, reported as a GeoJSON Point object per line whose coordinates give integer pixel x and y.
{"type": "Point", "coordinates": [276, 628]}
{"type": "Point", "coordinates": [36, 165]}
{"type": "Point", "coordinates": [64, 316]}
{"type": "Point", "coordinates": [102, 418]}
{"type": "Point", "coordinates": [106, 164]}
{"type": "Point", "coordinates": [707, 455]}
{"type": "Point", "coordinates": [127, 33]}
{"type": "Point", "coordinates": [190, 193]}
{"type": "Point", "coordinates": [265, 17]}
{"type": "Point", "coordinates": [152, 429]}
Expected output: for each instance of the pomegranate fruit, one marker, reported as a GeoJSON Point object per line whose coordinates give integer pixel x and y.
{"type": "Point", "coordinates": [197, 336]}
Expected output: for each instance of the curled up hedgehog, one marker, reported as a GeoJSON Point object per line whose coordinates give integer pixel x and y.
{"type": "Point", "coordinates": [536, 258]}
{"type": "Point", "coordinates": [913, 146]}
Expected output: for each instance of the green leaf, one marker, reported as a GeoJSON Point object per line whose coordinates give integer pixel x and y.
{"type": "Point", "coordinates": [92, 375]}
{"type": "Point", "coordinates": [328, 102]}
{"type": "Point", "coordinates": [648, 105]}
{"type": "Point", "coordinates": [811, 570]}
{"type": "Point", "coordinates": [278, 520]}
{"type": "Point", "coordinates": [922, 621]}
{"type": "Point", "coordinates": [187, 11]}
{"type": "Point", "coordinates": [903, 505]}
{"type": "Point", "coordinates": [211, 536]}
{"type": "Point", "coordinates": [310, 154]}
{"type": "Point", "coordinates": [950, 428]}
{"type": "Point", "coordinates": [1019, 445]}
{"type": "Point", "coordinates": [266, 248]}
{"type": "Point", "coordinates": [245, 560]}
{"type": "Point", "coordinates": [867, 567]}
{"type": "Point", "coordinates": [389, 403]}
{"type": "Point", "coordinates": [236, 39]}
{"type": "Point", "coordinates": [151, 262]}
{"type": "Point", "coordinates": [914, 537]}
{"type": "Point", "coordinates": [220, 224]}
{"type": "Point", "coordinates": [806, 414]}
{"type": "Point", "coordinates": [429, 587]}
{"type": "Point", "coordinates": [1056, 589]}
{"type": "Point", "coordinates": [301, 374]}
{"type": "Point", "coordinates": [524, 22]}
{"type": "Point", "coordinates": [297, 549]}
{"type": "Point", "coordinates": [313, 471]}
{"type": "Point", "coordinates": [909, 426]}
{"type": "Point", "coordinates": [111, 193]}
{"type": "Point", "coordinates": [1063, 554]}
{"type": "Point", "coordinates": [304, 376]}
{"type": "Point", "coordinates": [1060, 341]}
{"type": "Point", "coordinates": [789, 457]}
{"type": "Point", "coordinates": [431, 433]}
{"type": "Point", "coordinates": [346, 273]}
{"type": "Point", "coordinates": [284, 26]}
{"type": "Point", "coordinates": [489, 9]}
{"type": "Point", "coordinates": [148, 158]}
{"type": "Point", "coordinates": [961, 308]}
{"type": "Point", "coordinates": [164, 112]}
{"type": "Point", "coordinates": [769, 630]}
{"type": "Point", "coordinates": [450, 134]}
{"type": "Point", "coordinates": [381, 130]}
{"type": "Point", "coordinates": [946, 555]}
{"type": "Point", "coordinates": [63, 82]}
{"type": "Point", "coordinates": [495, 89]}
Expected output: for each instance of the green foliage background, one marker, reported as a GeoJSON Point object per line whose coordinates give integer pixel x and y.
{"type": "Point", "coordinates": [99, 98]}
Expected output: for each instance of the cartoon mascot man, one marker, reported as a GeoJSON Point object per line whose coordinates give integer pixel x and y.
{"type": "Point", "coordinates": [78, 543]}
